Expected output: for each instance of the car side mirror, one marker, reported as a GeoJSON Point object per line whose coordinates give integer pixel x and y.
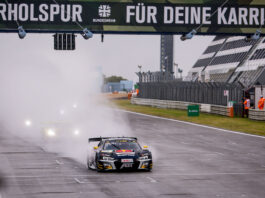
{"type": "Point", "coordinates": [95, 147]}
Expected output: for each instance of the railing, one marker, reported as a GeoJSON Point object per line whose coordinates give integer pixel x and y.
{"type": "Point", "coordinates": [256, 114]}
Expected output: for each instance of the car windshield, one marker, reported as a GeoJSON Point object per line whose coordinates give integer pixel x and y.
{"type": "Point", "coordinates": [121, 145]}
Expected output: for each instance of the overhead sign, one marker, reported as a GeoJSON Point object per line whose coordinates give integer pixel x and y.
{"type": "Point", "coordinates": [152, 16]}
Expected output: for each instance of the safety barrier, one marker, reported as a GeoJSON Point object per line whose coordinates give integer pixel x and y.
{"type": "Point", "coordinates": [170, 104]}
{"type": "Point", "coordinates": [220, 110]}
{"type": "Point", "coordinates": [256, 114]}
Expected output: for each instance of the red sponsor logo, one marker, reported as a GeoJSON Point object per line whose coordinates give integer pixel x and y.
{"type": "Point", "coordinates": [123, 151]}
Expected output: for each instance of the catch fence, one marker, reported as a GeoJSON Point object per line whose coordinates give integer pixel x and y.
{"type": "Point", "coordinates": [196, 92]}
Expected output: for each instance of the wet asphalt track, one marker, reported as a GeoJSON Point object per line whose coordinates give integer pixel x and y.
{"type": "Point", "coordinates": [190, 162]}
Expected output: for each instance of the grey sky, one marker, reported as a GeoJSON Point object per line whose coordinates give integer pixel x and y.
{"type": "Point", "coordinates": [118, 55]}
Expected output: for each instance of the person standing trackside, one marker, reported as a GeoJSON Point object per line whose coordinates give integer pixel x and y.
{"type": "Point", "coordinates": [261, 103]}
{"type": "Point", "coordinates": [246, 106]}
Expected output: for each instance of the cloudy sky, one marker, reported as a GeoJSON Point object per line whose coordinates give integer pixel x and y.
{"type": "Point", "coordinates": [118, 55]}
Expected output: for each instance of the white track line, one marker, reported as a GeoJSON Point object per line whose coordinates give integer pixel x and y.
{"type": "Point", "coordinates": [44, 176]}
{"type": "Point", "coordinates": [209, 174]}
{"type": "Point", "coordinates": [58, 162]}
{"type": "Point", "coordinates": [151, 179]}
{"type": "Point", "coordinates": [78, 181]}
{"type": "Point", "coordinates": [190, 123]}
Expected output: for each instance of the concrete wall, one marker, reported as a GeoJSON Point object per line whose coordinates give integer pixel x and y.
{"type": "Point", "coordinates": [256, 114]}
{"type": "Point", "coordinates": [170, 104]}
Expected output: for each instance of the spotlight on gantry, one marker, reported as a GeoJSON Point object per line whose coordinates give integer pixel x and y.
{"type": "Point", "coordinates": [254, 37]}
{"type": "Point", "coordinates": [188, 36]}
{"type": "Point", "coordinates": [21, 32]}
{"type": "Point", "coordinates": [87, 34]}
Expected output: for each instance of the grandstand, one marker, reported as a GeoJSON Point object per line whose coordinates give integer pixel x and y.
{"type": "Point", "coordinates": [231, 60]}
{"type": "Point", "coordinates": [229, 63]}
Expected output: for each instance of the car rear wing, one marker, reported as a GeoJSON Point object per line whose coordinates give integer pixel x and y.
{"type": "Point", "coordinates": [98, 139]}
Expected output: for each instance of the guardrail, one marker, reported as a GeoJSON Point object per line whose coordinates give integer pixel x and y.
{"type": "Point", "coordinates": [161, 103]}
{"type": "Point", "coordinates": [170, 104]}
{"type": "Point", "coordinates": [220, 110]}
{"type": "Point", "coordinates": [256, 114]}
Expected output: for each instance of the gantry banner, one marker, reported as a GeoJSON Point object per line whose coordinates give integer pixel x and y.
{"type": "Point", "coordinates": [124, 16]}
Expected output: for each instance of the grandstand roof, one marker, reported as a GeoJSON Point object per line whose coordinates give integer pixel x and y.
{"type": "Point", "coordinates": [231, 59]}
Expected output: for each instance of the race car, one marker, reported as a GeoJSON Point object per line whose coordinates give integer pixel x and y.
{"type": "Point", "coordinates": [118, 153]}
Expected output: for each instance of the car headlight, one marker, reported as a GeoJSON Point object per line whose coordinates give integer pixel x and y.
{"type": "Point", "coordinates": [51, 133]}
{"type": "Point", "coordinates": [104, 154]}
{"type": "Point", "coordinates": [28, 123]}
{"type": "Point", "coordinates": [76, 132]}
{"type": "Point", "coordinates": [108, 158]}
{"type": "Point", "coordinates": [143, 158]}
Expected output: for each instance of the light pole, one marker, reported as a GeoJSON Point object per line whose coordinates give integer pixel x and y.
{"type": "Point", "coordinates": [166, 58]}
{"type": "Point", "coordinates": [139, 74]}
{"type": "Point", "coordinates": [140, 68]}
{"type": "Point", "coordinates": [180, 71]}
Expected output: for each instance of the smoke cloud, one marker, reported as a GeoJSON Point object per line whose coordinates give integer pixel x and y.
{"type": "Point", "coordinates": [60, 91]}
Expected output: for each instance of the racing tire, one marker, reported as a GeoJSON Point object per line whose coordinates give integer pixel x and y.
{"type": "Point", "coordinates": [96, 166]}
{"type": "Point", "coordinates": [150, 167]}
{"type": "Point", "coordinates": [90, 165]}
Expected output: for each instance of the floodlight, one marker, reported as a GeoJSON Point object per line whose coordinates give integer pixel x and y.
{"type": "Point", "coordinates": [21, 32]}
{"type": "Point", "coordinates": [189, 35]}
{"type": "Point", "coordinates": [255, 36]}
{"type": "Point", "coordinates": [87, 34]}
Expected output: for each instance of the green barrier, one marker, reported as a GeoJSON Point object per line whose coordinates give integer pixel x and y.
{"type": "Point", "coordinates": [193, 110]}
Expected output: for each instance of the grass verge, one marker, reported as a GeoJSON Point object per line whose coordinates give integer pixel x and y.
{"type": "Point", "coordinates": [235, 124]}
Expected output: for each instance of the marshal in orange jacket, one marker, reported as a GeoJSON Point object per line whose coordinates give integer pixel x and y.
{"type": "Point", "coordinates": [261, 103]}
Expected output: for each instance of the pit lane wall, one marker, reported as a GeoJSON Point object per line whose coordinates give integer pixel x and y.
{"type": "Point", "coordinates": [170, 104]}
{"type": "Point", "coordinates": [207, 108]}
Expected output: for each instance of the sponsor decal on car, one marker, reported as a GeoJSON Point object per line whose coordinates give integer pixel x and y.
{"type": "Point", "coordinates": [126, 160]}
